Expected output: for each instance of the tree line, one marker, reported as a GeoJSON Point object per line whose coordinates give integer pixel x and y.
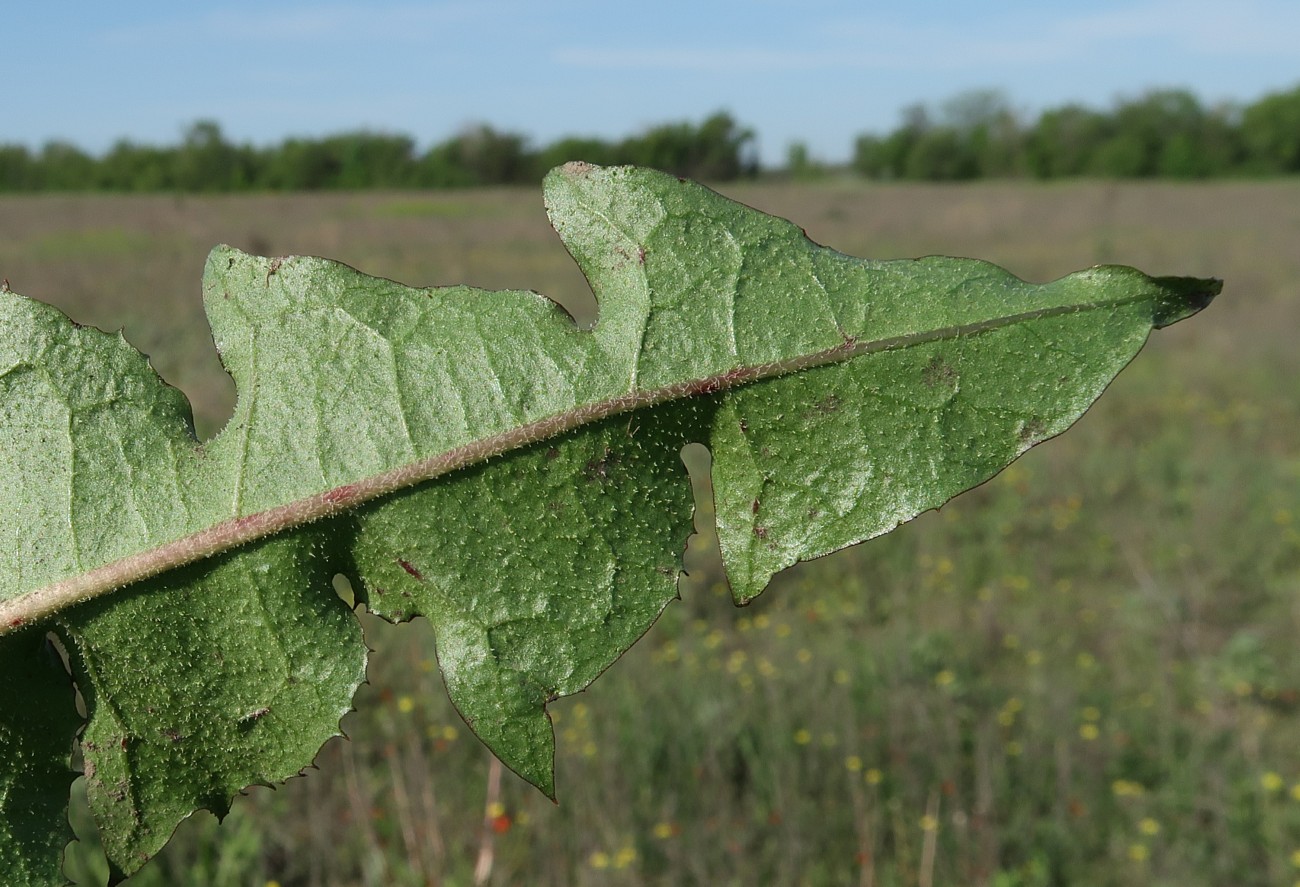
{"type": "Point", "coordinates": [1164, 133]}
{"type": "Point", "coordinates": [1161, 134]}
{"type": "Point", "coordinates": [718, 149]}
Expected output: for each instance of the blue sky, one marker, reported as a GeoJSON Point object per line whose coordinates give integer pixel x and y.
{"type": "Point", "coordinates": [817, 70]}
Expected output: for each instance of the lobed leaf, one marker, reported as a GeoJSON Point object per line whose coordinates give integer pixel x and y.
{"type": "Point", "coordinates": [477, 459]}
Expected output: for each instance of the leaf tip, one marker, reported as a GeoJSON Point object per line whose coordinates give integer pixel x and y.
{"type": "Point", "coordinates": [1183, 297]}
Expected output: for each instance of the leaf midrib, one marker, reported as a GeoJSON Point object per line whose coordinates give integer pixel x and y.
{"type": "Point", "coordinates": [48, 600]}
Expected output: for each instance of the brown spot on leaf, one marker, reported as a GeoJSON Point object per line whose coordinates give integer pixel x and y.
{"type": "Point", "coordinates": [406, 565]}
{"type": "Point", "coordinates": [626, 256]}
{"type": "Point", "coordinates": [831, 403]}
{"type": "Point", "coordinates": [598, 469]}
{"type": "Point", "coordinates": [1032, 431]}
{"type": "Point", "coordinates": [938, 372]}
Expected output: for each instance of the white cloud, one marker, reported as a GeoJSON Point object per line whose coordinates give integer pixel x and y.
{"type": "Point", "coordinates": [1016, 38]}
{"type": "Point", "coordinates": [696, 59]}
{"type": "Point", "coordinates": [1254, 27]}
{"type": "Point", "coordinates": [1246, 26]}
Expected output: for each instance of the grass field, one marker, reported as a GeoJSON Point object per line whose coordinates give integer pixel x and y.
{"type": "Point", "coordinates": [1081, 673]}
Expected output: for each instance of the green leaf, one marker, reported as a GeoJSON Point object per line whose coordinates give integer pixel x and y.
{"type": "Point", "coordinates": [477, 459]}
{"type": "Point", "coordinates": [36, 730]}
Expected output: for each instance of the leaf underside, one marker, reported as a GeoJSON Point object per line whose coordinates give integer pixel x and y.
{"type": "Point", "coordinates": [475, 458]}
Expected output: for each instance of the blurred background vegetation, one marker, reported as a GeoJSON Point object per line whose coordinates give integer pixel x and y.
{"type": "Point", "coordinates": [1082, 672]}
{"type": "Point", "coordinates": [976, 135]}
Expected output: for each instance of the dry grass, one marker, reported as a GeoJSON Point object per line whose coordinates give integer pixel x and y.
{"type": "Point", "coordinates": [1080, 673]}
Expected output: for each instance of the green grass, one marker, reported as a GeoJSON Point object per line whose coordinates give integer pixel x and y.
{"type": "Point", "coordinates": [1080, 673]}
{"type": "Point", "coordinates": [93, 243]}
{"type": "Point", "coordinates": [435, 206]}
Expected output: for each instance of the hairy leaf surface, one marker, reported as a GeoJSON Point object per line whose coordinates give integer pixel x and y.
{"type": "Point", "coordinates": [475, 458]}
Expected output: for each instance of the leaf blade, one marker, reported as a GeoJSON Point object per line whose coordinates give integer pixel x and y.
{"type": "Point", "coordinates": [221, 675]}
{"type": "Point", "coordinates": [365, 409]}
